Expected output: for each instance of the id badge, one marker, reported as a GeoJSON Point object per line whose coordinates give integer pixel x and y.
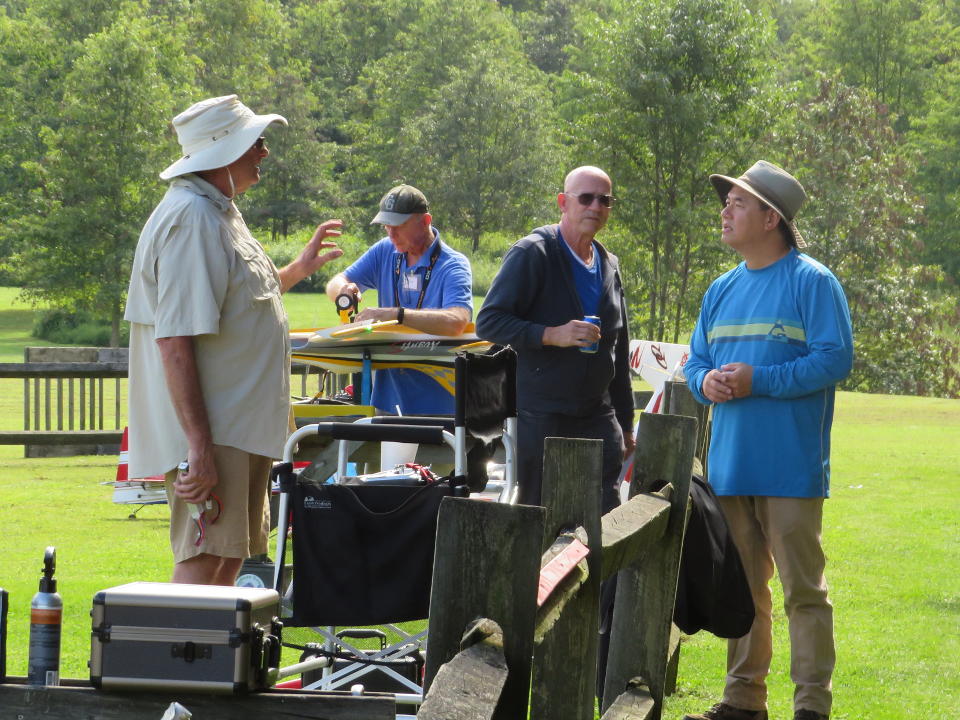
{"type": "Point", "coordinates": [411, 282]}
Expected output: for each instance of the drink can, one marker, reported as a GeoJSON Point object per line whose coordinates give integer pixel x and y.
{"type": "Point", "coordinates": [592, 348]}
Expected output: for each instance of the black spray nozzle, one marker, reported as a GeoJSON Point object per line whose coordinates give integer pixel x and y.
{"type": "Point", "coordinates": [48, 583]}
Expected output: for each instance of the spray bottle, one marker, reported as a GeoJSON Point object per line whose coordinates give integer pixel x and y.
{"type": "Point", "coordinates": [46, 619]}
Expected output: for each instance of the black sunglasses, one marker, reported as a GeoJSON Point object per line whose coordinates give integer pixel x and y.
{"type": "Point", "coordinates": [586, 199]}
{"type": "Point", "coordinates": [260, 142]}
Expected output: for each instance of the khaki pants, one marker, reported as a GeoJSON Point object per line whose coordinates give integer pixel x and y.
{"type": "Point", "coordinates": [785, 532]}
{"type": "Point", "coordinates": [243, 526]}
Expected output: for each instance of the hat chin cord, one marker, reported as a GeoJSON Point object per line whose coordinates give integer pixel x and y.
{"type": "Point", "coordinates": [233, 188]}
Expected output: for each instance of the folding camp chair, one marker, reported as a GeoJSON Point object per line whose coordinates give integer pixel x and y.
{"type": "Point", "coordinates": [363, 547]}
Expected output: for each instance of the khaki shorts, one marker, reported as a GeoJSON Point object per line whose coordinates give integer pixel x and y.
{"type": "Point", "coordinates": [242, 528]}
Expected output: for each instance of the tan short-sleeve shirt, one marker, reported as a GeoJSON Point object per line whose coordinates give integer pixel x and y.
{"type": "Point", "coordinates": [199, 272]}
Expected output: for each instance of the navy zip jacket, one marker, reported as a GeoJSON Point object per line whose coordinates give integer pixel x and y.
{"type": "Point", "coordinates": [535, 289]}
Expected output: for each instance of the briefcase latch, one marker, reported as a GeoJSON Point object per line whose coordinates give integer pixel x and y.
{"type": "Point", "coordinates": [191, 651]}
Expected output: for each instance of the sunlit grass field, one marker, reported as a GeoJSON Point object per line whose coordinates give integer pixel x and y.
{"type": "Point", "coordinates": [891, 532]}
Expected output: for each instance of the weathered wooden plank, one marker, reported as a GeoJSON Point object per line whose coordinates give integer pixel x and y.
{"type": "Point", "coordinates": [486, 565]}
{"type": "Point", "coordinates": [680, 401]}
{"type": "Point", "coordinates": [26, 403]}
{"type": "Point", "coordinates": [673, 661]}
{"type": "Point", "coordinates": [566, 589]}
{"type": "Point", "coordinates": [571, 495]}
{"type": "Point", "coordinates": [20, 701]}
{"type": "Point", "coordinates": [55, 437]}
{"type": "Point", "coordinates": [46, 403]}
{"type": "Point", "coordinates": [643, 612]}
{"type": "Point", "coordinates": [635, 703]}
{"type": "Point", "coordinates": [63, 369]}
{"type": "Point", "coordinates": [469, 686]}
{"type": "Point", "coordinates": [36, 403]}
{"type": "Point", "coordinates": [631, 529]}
{"type": "Point", "coordinates": [59, 403]}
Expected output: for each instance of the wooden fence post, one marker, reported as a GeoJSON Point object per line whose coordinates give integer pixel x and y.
{"type": "Point", "coordinates": [487, 564]}
{"type": "Point", "coordinates": [646, 591]}
{"type": "Point", "coordinates": [571, 495]}
{"type": "Point", "coordinates": [469, 685]}
{"type": "Point", "coordinates": [680, 401]}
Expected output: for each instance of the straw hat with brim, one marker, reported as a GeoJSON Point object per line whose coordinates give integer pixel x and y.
{"type": "Point", "coordinates": [773, 186]}
{"type": "Point", "coordinates": [215, 132]}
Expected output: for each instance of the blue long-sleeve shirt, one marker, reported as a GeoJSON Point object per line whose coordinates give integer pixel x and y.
{"type": "Point", "coordinates": [789, 321]}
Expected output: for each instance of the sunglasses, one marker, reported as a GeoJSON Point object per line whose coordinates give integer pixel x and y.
{"type": "Point", "coordinates": [261, 141]}
{"type": "Point", "coordinates": [586, 199]}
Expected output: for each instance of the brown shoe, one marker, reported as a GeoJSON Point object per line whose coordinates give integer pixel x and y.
{"type": "Point", "coordinates": [809, 715]}
{"type": "Point", "coordinates": [722, 711]}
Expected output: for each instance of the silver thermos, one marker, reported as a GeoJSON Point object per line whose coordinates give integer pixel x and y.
{"type": "Point", "coordinates": [46, 620]}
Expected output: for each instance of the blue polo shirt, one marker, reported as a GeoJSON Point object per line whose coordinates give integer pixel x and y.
{"type": "Point", "coordinates": [450, 285]}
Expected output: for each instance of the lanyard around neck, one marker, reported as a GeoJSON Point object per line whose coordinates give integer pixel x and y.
{"type": "Point", "coordinates": [426, 276]}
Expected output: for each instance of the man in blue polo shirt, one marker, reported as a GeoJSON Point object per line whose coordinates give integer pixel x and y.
{"type": "Point", "coordinates": [421, 282]}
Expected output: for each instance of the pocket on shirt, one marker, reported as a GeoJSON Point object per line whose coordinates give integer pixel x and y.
{"type": "Point", "coordinates": [260, 275]}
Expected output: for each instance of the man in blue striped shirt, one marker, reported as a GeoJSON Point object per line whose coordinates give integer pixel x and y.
{"type": "Point", "coordinates": [772, 341]}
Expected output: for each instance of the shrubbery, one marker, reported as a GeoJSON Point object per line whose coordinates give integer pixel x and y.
{"type": "Point", "coordinates": [76, 328]}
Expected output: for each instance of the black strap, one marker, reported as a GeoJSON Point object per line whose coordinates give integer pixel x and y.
{"type": "Point", "coordinates": [426, 276]}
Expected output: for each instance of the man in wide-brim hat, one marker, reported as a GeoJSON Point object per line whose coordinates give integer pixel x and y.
{"type": "Point", "coordinates": [209, 344]}
{"type": "Point", "coordinates": [772, 341]}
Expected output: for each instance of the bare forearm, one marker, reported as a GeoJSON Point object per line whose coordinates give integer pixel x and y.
{"type": "Point", "coordinates": [436, 321]}
{"type": "Point", "coordinates": [183, 384]}
{"type": "Point", "coordinates": [186, 395]}
{"type": "Point", "coordinates": [448, 321]}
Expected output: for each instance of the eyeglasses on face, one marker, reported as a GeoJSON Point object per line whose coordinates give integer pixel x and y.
{"type": "Point", "coordinates": [261, 141]}
{"type": "Point", "coordinates": [586, 199]}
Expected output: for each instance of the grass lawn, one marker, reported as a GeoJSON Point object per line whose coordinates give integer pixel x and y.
{"type": "Point", "coordinates": [892, 539]}
{"type": "Point", "coordinates": [891, 535]}
{"type": "Point", "coordinates": [891, 532]}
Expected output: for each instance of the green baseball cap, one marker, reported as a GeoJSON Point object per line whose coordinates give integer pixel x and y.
{"type": "Point", "coordinates": [399, 204]}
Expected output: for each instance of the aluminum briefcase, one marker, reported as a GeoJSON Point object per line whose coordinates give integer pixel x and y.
{"type": "Point", "coordinates": [207, 638]}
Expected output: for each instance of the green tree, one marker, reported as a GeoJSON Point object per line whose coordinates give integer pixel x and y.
{"type": "Point", "coordinates": [296, 181]}
{"type": "Point", "coordinates": [74, 20]}
{"type": "Point", "coordinates": [859, 221]}
{"type": "Point", "coordinates": [483, 148]}
{"type": "Point", "coordinates": [97, 178]}
{"type": "Point", "coordinates": [236, 41]}
{"type": "Point", "coordinates": [662, 97]}
{"type": "Point", "coordinates": [936, 141]}
{"type": "Point", "coordinates": [244, 48]}
{"type": "Point", "coordinates": [547, 28]}
{"type": "Point", "coordinates": [404, 84]}
{"type": "Point", "coordinates": [31, 62]}
{"type": "Point", "coordinates": [889, 47]}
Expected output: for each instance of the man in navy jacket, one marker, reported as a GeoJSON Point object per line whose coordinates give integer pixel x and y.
{"type": "Point", "coordinates": [549, 281]}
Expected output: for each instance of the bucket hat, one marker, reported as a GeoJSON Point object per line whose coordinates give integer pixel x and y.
{"type": "Point", "coordinates": [215, 132]}
{"type": "Point", "coordinates": [773, 186]}
{"type": "Point", "coordinates": [399, 204]}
